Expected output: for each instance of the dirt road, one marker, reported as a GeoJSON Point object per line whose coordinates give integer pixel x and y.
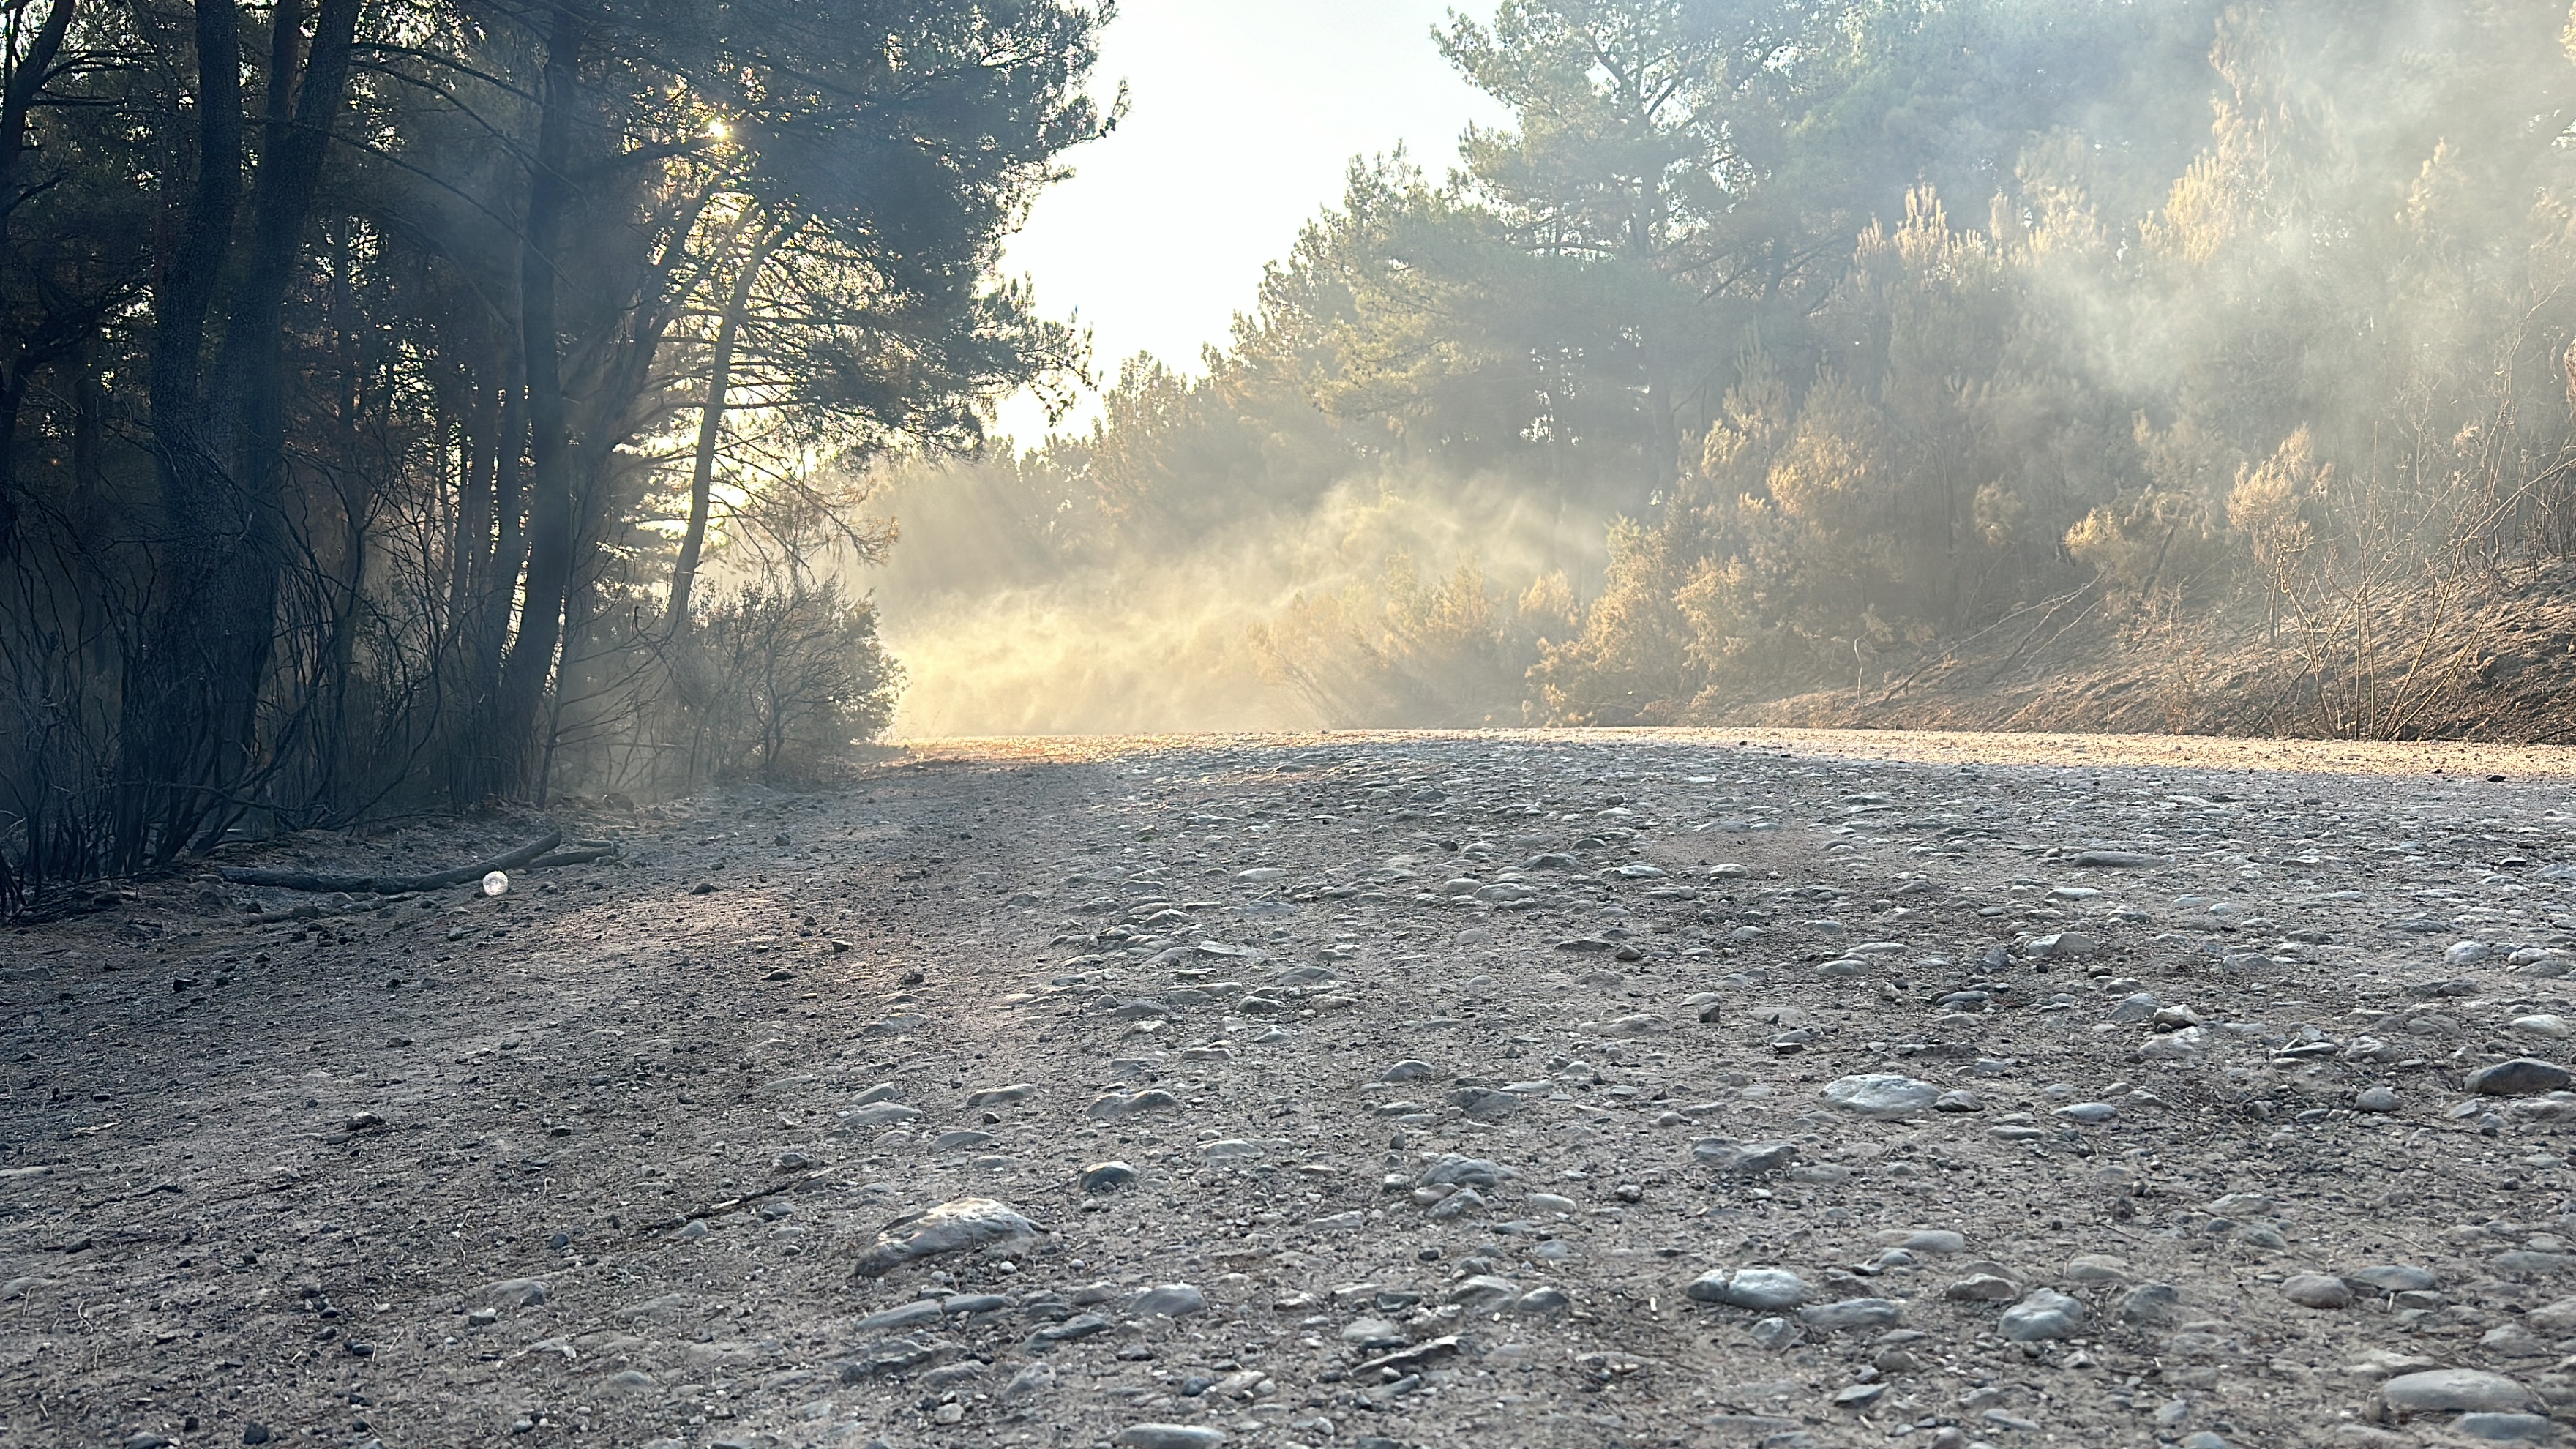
{"type": "Point", "coordinates": [1544, 1089]}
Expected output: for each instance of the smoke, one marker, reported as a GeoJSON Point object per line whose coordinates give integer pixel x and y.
{"type": "Point", "coordinates": [1184, 635]}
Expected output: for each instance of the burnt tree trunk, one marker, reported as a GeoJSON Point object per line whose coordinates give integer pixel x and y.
{"type": "Point", "coordinates": [684, 571]}
{"type": "Point", "coordinates": [551, 457]}
{"type": "Point", "coordinates": [193, 684]}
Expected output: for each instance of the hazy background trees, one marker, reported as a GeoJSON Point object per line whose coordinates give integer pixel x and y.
{"type": "Point", "coordinates": [378, 378]}
{"type": "Point", "coordinates": [1799, 344]}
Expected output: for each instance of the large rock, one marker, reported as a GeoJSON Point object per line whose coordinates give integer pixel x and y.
{"type": "Point", "coordinates": [1764, 1289]}
{"type": "Point", "coordinates": [1456, 1171]}
{"type": "Point", "coordinates": [1171, 1300]}
{"type": "Point", "coordinates": [2558, 1317]}
{"type": "Point", "coordinates": [2064, 946]}
{"type": "Point", "coordinates": [2506, 1428]}
{"type": "Point", "coordinates": [1882, 1094]}
{"type": "Point", "coordinates": [2395, 1278]}
{"type": "Point", "coordinates": [1852, 1313]}
{"type": "Point", "coordinates": [2317, 1290]}
{"type": "Point", "coordinates": [2045, 1314]}
{"type": "Point", "coordinates": [1169, 1436]}
{"type": "Point", "coordinates": [876, 1115]}
{"type": "Point", "coordinates": [1745, 1159]}
{"type": "Point", "coordinates": [2521, 1077]}
{"type": "Point", "coordinates": [2454, 1391]}
{"type": "Point", "coordinates": [959, 1225]}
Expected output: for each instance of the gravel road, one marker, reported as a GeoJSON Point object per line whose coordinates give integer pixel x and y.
{"type": "Point", "coordinates": [1580, 1089]}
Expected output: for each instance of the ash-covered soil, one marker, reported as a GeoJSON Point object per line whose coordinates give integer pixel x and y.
{"type": "Point", "coordinates": [1368, 1090]}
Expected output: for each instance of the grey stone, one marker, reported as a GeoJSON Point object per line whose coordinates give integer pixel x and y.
{"type": "Point", "coordinates": [1483, 1104]}
{"type": "Point", "coordinates": [2317, 1290]}
{"type": "Point", "coordinates": [2394, 1278]}
{"type": "Point", "coordinates": [1982, 1288]}
{"type": "Point", "coordinates": [2154, 1305]}
{"type": "Point", "coordinates": [920, 1310]}
{"type": "Point", "coordinates": [1541, 1300]}
{"type": "Point", "coordinates": [2097, 1268]}
{"type": "Point", "coordinates": [1172, 1300]}
{"type": "Point", "coordinates": [1108, 1177]}
{"type": "Point", "coordinates": [874, 1115]}
{"type": "Point", "coordinates": [517, 1292]}
{"type": "Point", "coordinates": [2505, 1428]}
{"type": "Point", "coordinates": [1882, 1094]}
{"type": "Point", "coordinates": [2375, 1099]}
{"type": "Point", "coordinates": [2521, 1077]}
{"type": "Point", "coordinates": [1460, 1203]}
{"type": "Point", "coordinates": [1460, 1171]}
{"type": "Point", "coordinates": [627, 1381]}
{"type": "Point", "coordinates": [2064, 945]}
{"type": "Point", "coordinates": [2558, 1317]}
{"type": "Point", "coordinates": [2454, 1391]}
{"type": "Point", "coordinates": [1117, 1108]}
{"type": "Point", "coordinates": [1852, 1313]}
{"type": "Point", "coordinates": [1775, 1333]}
{"type": "Point", "coordinates": [2044, 1314]}
{"type": "Point", "coordinates": [1762, 1289]}
{"type": "Point", "coordinates": [893, 1356]}
{"type": "Point", "coordinates": [1169, 1436]}
{"type": "Point", "coordinates": [1745, 1159]}
{"type": "Point", "coordinates": [959, 1225]}
{"type": "Point", "coordinates": [1858, 1396]}
{"type": "Point", "coordinates": [2512, 1340]}
{"type": "Point", "coordinates": [1079, 1327]}
{"type": "Point", "coordinates": [1373, 1333]}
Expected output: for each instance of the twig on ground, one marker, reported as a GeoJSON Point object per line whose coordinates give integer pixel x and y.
{"type": "Point", "coordinates": [392, 885]}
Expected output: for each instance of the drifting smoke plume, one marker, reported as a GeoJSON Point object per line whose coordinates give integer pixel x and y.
{"type": "Point", "coordinates": [1213, 634]}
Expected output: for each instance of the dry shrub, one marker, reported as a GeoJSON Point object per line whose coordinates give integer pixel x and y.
{"type": "Point", "coordinates": [791, 677]}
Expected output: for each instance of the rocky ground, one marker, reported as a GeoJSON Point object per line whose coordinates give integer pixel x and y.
{"type": "Point", "coordinates": [1352, 1090]}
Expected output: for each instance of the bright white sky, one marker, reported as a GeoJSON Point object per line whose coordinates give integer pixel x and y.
{"type": "Point", "coordinates": [1242, 117]}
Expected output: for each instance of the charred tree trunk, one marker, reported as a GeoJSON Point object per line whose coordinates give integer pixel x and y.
{"type": "Point", "coordinates": [684, 572]}
{"type": "Point", "coordinates": [193, 684]}
{"type": "Point", "coordinates": [167, 678]}
{"type": "Point", "coordinates": [551, 456]}
{"type": "Point", "coordinates": [17, 101]}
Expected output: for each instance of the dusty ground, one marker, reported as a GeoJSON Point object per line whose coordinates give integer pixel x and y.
{"type": "Point", "coordinates": [593, 1161]}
